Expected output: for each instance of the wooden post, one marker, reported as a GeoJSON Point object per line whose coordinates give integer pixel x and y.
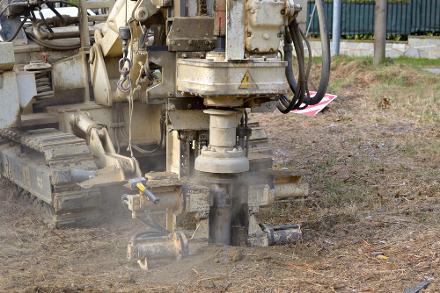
{"type": "Point", "coordinates": [380, 31]}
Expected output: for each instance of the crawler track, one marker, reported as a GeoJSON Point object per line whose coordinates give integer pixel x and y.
{"type": "Point", "coordinates": [40, 161]}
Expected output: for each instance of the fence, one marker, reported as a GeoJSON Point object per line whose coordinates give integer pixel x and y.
{"type": "Point", "coordinates": [404, 17]}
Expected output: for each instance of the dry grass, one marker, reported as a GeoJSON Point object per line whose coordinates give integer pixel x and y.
{"type": "Point", "coordinates": [371, 222]}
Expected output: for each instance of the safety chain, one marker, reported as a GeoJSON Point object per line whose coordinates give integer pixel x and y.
{"type": "Point", "coordinates": [124, 82]}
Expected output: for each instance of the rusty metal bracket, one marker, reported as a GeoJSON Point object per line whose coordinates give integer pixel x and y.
{"type": "Point", "coordinates": [191, 34]}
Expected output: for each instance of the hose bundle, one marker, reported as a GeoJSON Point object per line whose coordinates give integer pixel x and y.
{"type": "Point", "coordinates": [301, 95]}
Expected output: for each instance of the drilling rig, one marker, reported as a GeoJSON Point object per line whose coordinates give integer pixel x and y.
{"type": "Point", "coordinates": [148, 102]}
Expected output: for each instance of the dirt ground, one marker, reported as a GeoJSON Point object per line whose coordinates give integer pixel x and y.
{"type": "Point", "coordinates": [371, 221]}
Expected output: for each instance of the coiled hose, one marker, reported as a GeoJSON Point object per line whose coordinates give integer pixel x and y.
{"type": "Point", "coordinates": [300, 88]}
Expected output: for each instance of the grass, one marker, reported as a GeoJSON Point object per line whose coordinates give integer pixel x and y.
{"type": "Point", "coordinates": [415, 62]}
{"type": "Point", "coordinates": [422, 147]}
{"type": "Point", "coordinates": [343, 194]}
{"type": "Point", "coordinates": [344, 59]}
{"type": "Point", "coordinates": [404, 60]}
{"type": "Point", "coordinates": [375, 160]}
{"type": "Point", "coordinates": [340, 189]}
{"type": "Point", "coordinates": [400, 84]}
{"type": "Point", "coordinates": [339, 84]}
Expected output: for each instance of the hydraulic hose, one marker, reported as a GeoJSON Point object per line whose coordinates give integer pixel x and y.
{"type": "Point", "coordinates": [14, 35]}
{"type": "Point", "coordinates": [325, 47]}
{"type": "Point", "coordinates": [309, 62]}
{"type": "Point", "coordinates": [288, 57]}
{"type": "Point", "coordinates": [300, 88]}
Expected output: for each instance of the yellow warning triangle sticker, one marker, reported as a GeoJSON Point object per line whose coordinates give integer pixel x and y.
{"type": "Point", "coordinates": [247, 82]}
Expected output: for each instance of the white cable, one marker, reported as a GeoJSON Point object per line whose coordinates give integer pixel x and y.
{"type": "Point", "coordinates": [130, 118]}
{"type": "Point", "coordinates": [131, 101]}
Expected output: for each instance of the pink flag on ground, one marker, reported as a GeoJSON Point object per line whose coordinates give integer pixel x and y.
{"type": "Point", "coordinates": [315, 109]}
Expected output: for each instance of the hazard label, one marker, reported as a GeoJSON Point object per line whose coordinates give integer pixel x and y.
{"type": "Point", "coordinates": [247, 82]}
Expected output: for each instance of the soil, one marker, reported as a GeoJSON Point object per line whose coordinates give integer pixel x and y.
{"type": "Point", "coordinates": [371, 222]}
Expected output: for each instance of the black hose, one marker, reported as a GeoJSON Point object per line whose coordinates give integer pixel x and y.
{"type": "Point", "coordinates": [300, 89]}
{"type": "Point", "coordinates": [55, 12]}
{"type": "Point", "coordinates": [42, 17]}
{"type": "Point", "coordinates": [14, 35]}
{"type": "Point", "coordinates": [283, 101]}
{"type": "Point", "coordinates": [288, 49]}
{"type": "Point", "coordinates": [325, 47]}
{"type": "Point", "coordinates": [309, 62]}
